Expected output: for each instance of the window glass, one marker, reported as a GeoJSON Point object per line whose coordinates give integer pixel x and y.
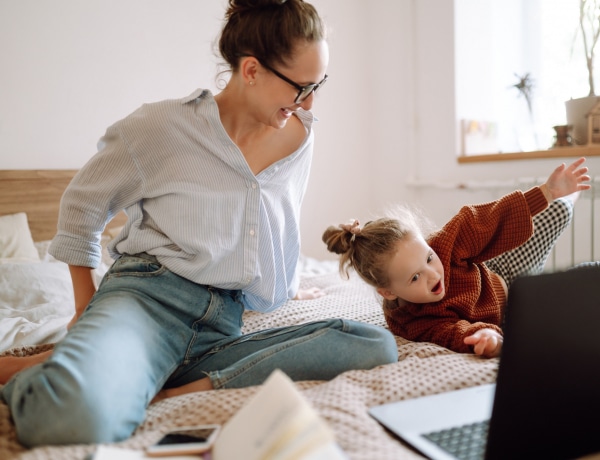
{"type": "Point", "coordinates": [517, 62]}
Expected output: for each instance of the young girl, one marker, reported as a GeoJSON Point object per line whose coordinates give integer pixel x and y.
{"type": "Point", "coordinates": [451, 288]}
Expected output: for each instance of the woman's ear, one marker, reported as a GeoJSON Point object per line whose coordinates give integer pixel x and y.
{"type": "Point", "coordinates": [386, 294]}
{"type": "Point", "coordinates": [249, 69]}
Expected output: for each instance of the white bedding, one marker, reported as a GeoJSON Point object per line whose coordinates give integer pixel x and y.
{"type": "Point", "coordinates": [36, 299]}
{"type": "Point", "coordinates": [36, 303]}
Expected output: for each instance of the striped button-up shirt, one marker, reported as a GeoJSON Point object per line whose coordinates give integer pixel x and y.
{"type": "Point", "coordinates": [191, 200]}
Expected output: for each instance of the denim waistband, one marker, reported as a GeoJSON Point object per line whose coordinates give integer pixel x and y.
{"type": "Point", "coordinates": [142, 255]}
{"type": "Point", "coordinates": [234, 293]}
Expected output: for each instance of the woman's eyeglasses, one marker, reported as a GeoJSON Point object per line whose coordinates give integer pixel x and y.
{"type": "Point", "coordinates": [303, 91]}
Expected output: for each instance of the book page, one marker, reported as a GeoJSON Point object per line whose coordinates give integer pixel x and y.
{"type": "Point", "coordinates": [277, 424]}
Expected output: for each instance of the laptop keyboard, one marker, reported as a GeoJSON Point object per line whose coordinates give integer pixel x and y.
{"type": "Point", "coordinates": [466, 442]}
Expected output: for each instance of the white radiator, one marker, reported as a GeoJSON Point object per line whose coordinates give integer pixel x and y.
{"type": "Point", "coordinates": [580, 242]}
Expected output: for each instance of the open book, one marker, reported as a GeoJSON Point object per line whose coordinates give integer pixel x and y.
{"type": "Point", "coordinates": [277, 423]}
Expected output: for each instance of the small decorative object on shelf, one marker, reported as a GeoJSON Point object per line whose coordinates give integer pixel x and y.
{"type": "Point", "coordinates": [563, 136]}
{"type": "Point", "coordinates": [579, 110]}
{"type": "Point", "coordinates": [593, 125]}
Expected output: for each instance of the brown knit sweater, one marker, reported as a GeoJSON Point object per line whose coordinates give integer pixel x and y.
{"type": "Point", "coordinates": [475, 298]}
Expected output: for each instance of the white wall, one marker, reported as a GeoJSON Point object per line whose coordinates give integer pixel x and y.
{"type": "Point", "coordinates": [339, 187]}
{"type": "Point", "coordinates": [70, 68]}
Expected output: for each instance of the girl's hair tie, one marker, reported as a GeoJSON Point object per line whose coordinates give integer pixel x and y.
{"type": "Point", "coordinates": [353, 227]}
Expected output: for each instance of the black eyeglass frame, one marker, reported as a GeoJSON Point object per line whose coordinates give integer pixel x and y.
{"type": "Point", "coordinates": [303, 91]}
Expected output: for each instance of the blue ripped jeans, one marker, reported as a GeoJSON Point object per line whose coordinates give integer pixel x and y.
{"type": "Point", "coordinates": [147, 328]}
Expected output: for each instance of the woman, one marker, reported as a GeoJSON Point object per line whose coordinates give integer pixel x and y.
{"type": "Point", "coordinates": [212, 187]}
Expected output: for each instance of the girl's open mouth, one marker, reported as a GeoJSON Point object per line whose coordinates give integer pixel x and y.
{"type": "Point", "coordinates": [437, 289]}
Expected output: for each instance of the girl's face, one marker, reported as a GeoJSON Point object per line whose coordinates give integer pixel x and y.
{"type": "Point", "coordinates": [308, 67]}
{"type": "Point", "coordinates": [416, 273]}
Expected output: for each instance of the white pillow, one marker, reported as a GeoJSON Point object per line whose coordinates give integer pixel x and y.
{"type": "Point", "coordinates": [15, 238]}
{"type": "Point", "coordinates": [36, 303]}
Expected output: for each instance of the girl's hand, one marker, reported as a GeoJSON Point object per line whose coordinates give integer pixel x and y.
{"type": "Point", "coordinates": [566, 180]}
{"type": "Point", "coordinates": [486, 343]}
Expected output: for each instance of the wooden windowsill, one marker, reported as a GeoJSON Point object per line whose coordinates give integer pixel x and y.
{"type": "Point", "coordinates": [558, 152]}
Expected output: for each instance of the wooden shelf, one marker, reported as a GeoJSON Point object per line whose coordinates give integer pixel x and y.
{"type": "Point", "coordinates": [559, 152]}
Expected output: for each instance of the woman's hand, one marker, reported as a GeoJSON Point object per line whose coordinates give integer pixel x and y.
{"type": "Point", "coordinates": [486, 343]}
{"type": "Point", "coordinates": [307, 294]}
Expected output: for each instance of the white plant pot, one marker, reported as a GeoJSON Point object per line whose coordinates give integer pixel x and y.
{"type": "Point", "coordinates": [577, 110]}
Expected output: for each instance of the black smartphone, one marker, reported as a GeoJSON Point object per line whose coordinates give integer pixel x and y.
{"type": "Point", "coordinates": [185, 440]}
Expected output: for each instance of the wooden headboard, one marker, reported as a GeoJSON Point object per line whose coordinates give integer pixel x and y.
{"type": "Point", "coordinates": [37, 192]}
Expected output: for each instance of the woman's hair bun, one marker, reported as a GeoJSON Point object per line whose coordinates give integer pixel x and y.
{"type": "Point", "coordinates": [268, 29]}
{"type": "Point", "coordinates": [237, 6]}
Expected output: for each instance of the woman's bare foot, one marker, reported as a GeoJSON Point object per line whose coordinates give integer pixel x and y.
{"type": "Point", "coordinates": [11, 365]}
{"type": "Point", "coordinates": [199, 385]}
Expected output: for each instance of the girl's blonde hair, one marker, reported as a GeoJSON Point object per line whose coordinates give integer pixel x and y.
{"type": "Point", "coordinates": [368, 250]}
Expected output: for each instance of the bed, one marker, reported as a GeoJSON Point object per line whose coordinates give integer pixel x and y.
{"type": "Point", "coordinates": [35, 306]}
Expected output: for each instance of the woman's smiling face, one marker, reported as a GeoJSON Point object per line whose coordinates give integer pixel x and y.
{"type": "Point", "coordinates": [309, 66]}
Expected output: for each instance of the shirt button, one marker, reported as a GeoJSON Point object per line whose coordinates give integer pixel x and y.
{"type": "Point", "coordinates": [253, 185]}
{"type": "Point", "coordinates": [252, 232]}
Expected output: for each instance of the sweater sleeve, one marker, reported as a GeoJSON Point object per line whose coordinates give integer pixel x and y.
{"type": "Point", "coordinates": [448, 331]}
{"type": "Point", "coordinates": [481, 232]}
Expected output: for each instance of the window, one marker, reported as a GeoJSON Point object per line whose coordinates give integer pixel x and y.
{"type": "Point", "coordinates": [503, 43]}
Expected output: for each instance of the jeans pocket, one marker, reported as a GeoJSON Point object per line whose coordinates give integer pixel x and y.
{"type": "Point", "coordinates": [138, 265]}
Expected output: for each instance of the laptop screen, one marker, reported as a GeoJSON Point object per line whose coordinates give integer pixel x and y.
{"type": "Point", "coordinates": [547, 402]}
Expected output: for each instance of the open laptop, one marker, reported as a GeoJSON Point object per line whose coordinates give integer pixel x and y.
{"type": "Point", "coordinates": [546, 400]}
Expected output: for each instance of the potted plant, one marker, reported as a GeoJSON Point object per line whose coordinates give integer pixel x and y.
{"type": "Point", "coordinates": [578, 109]}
